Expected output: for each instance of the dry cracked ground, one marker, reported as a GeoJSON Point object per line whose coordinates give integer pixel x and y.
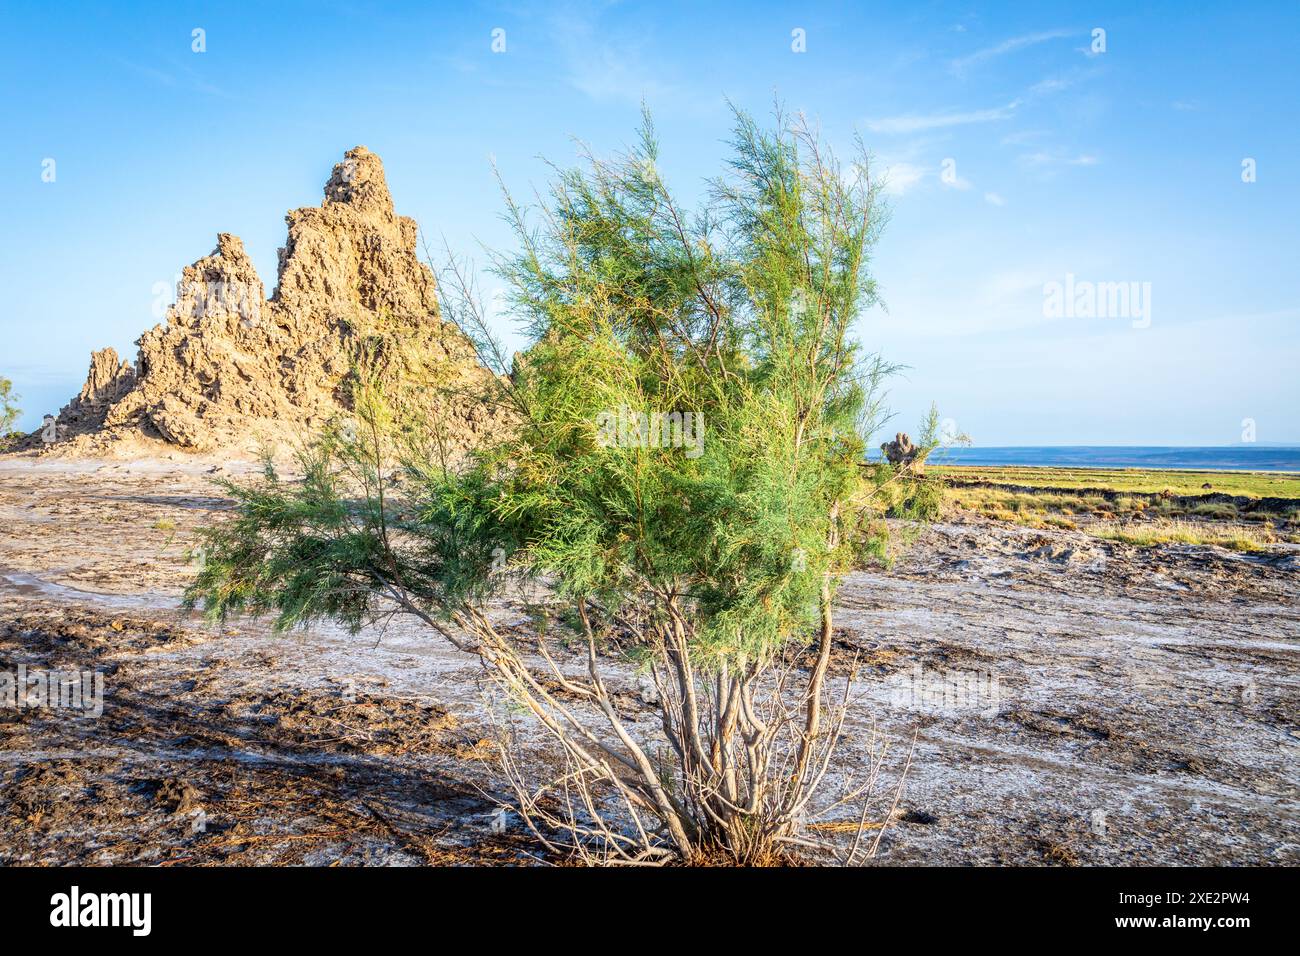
{"type": "Point", "coordinates": [1065, 701]}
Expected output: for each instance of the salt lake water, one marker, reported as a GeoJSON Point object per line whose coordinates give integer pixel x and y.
{"type": "Point", "coordinates": [1235, 457]}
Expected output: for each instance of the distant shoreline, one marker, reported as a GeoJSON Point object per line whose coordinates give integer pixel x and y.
{"type": "Point", "coordinates": [1189, 458]}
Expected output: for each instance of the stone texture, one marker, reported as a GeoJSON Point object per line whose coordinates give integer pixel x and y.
{"type": "Point", "coordinates": [901, 452]}
{"type": "Point", "coordinates": [108, 380]}
{"type": "Point", "coordinates": [230, 370]}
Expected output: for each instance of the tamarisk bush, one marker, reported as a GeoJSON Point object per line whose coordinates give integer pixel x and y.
{"type": "Point", "coordinates": [710, 546]}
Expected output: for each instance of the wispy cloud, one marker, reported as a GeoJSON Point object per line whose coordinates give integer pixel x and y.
{"type": "Point", "coordinates": [993, 199]}
{"type": "Point", "coordinates": [917, 122]}
{"type": "Point", "coordinates": [1053, 84]}
{"type": "Point", "coordinates": [1058, 158]}
{"type": "Point", "coordinates": [900, 177]}
{"type": "Point", "coordinates": [962, 64]}
{"type": "Point", "coordinates": [184, 77]}
{"type": "Point", "coordinates": [608, 74]}
{"type": "Point", "coordinates": [1022, 137]}
{"type": "Point", "coordinates": [161, 77]}
{"type": "Point", "coordinates": [602, 66]}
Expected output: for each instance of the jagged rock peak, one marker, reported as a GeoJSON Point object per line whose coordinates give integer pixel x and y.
{"type": "Point", "coordinates": [230, 247]}
{"type": "Point", "coordinates": [108, 379]}
{"type": "Point", "coordinates": [359, 181]}
{"type": "Point", "coordinates": [224, 283]}
{"type": "Point", "coordinates": [353, 250]}
{"type": "Point", "coordinates": [229, 369]}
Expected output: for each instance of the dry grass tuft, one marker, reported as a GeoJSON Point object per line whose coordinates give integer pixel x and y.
{"type": "Point", "coordinates": [1234, 537]}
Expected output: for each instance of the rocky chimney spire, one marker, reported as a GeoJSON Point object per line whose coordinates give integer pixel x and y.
{"type": "Point", "coordinates": [359, 181]}
{"type": "Point", "coordinates": [353, 250]}
{"type": "Point", "coordinates": [228, 368]}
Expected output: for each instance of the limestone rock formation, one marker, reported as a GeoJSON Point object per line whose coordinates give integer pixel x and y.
{"type": "Point", "coordinates": [230, 370]}
{"type": "Point", "coordinates": [106, 383]}
{"type": "Point", "coordinates": [901, 452]}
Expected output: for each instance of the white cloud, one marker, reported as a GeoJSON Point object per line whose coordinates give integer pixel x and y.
{"type": "Point", "coordinates": [601, 64]}
{"type": "Point", "coordinates": [918, 122]}
{"type": "Point", "coordinates": [1058, 158]}
{"type": "Point", "coordinates": [900, 177]}
{"type": "Point", "coordinates": [1051, 84]}
{"type": "Point", "coordinates": [608, 74]}
{"type": "Point", "coordinates": [961, 64]}
{"type": "Point", "coordinates": [1004, 290]}
{"type": "Point", "coordinates": [993, 199]}
{"type": "Point", "coordinates": [913, 123]}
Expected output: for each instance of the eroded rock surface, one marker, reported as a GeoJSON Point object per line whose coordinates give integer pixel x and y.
{"type": "Point", "coordinates": [229, 369]}
{"type": "Point", "coordinates": [108, 380]}
{"type": "Point", "coordinates": [901, 452]}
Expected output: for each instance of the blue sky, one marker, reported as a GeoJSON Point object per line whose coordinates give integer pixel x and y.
{"type": "Point", "coordinates": [1017, 155]}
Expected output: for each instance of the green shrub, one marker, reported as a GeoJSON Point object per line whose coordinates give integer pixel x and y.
{"type": "Point", "coordinates": [710, 557]}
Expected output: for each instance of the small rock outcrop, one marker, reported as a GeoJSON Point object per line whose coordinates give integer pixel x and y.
{"type": "Point", "coordinates": [229, 369]}
{"type": "Point", "coordinates": [901, 452]}
{"type": "Point", "coordinates": [106, 383]}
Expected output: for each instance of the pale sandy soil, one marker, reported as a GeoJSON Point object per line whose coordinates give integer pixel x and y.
{"type": "Point", "coordinates": [1115, 705]}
